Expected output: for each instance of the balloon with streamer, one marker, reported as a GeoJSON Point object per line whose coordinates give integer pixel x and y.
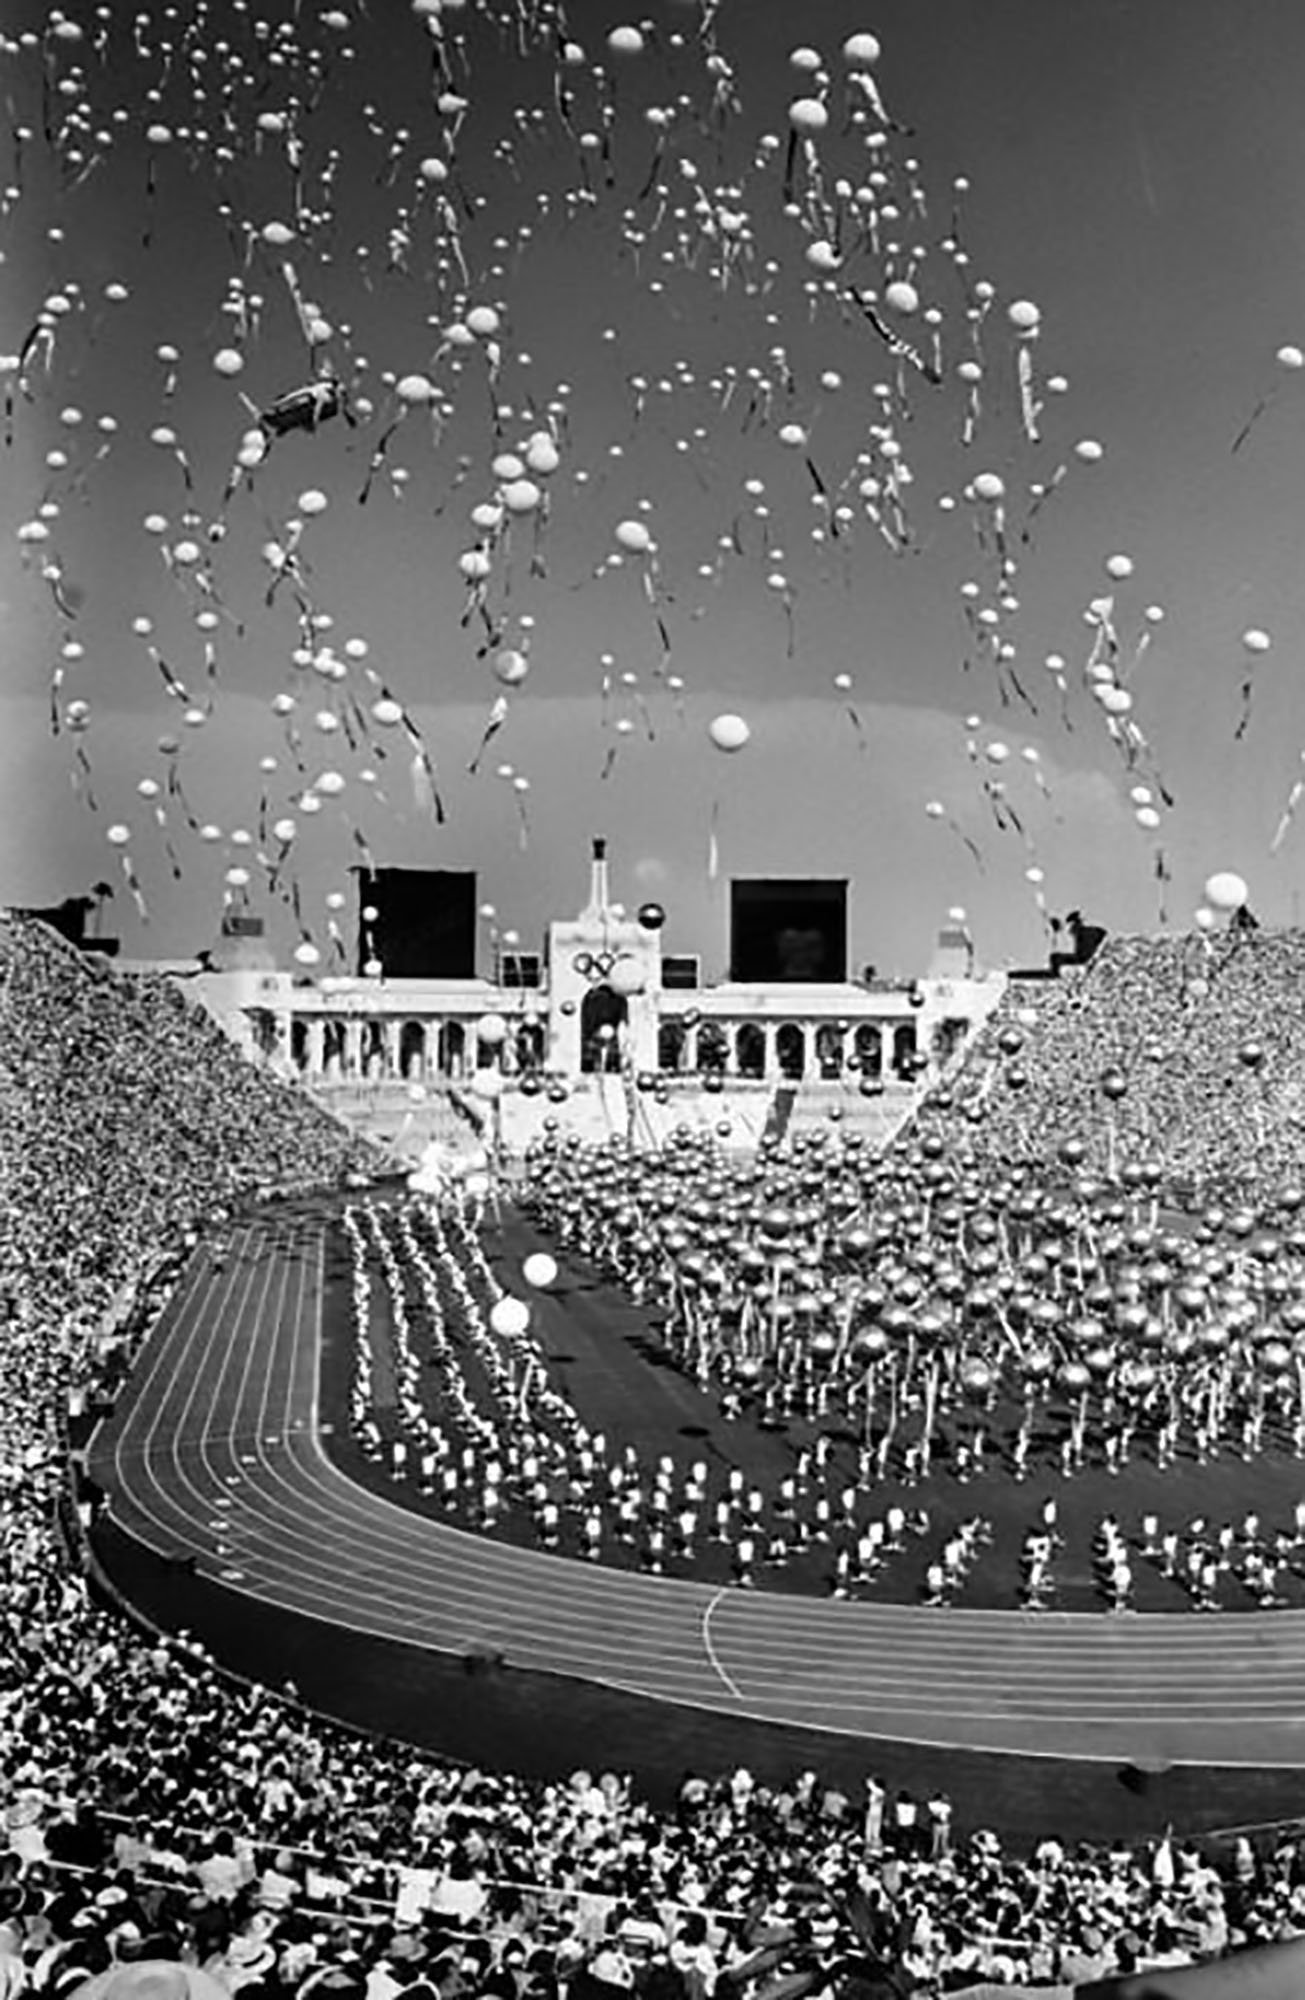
{"type": "Point", "coordinates": [1290, 359]}
{"type": "Point", "coordinates": [844, 684]}
{"type": "Point", "coordinates": [1026, 320]}
{"type": "Point", "coordinates": [1255, 644]}
{"type": "Point", "coordinates": [936, 810]}
{"type": "Point", "coordinates": [440, 272]}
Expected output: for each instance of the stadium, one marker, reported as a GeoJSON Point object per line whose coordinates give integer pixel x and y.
{"type": "Point", "coordinates": [652, 1054]}
{"type": "Point", "coordinates": [902, 1466]}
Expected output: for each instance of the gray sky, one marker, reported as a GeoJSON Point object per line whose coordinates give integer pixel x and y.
{"type": "Point", "coordinates": [1135, 168]}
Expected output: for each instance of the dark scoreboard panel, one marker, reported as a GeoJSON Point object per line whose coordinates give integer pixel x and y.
{"type": "Point", "coordinates": [425, 925]}
{"type": "Point", "coordinates": [786, 930]}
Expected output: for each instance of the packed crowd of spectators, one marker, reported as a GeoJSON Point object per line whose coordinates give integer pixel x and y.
{"type": "Point", "coordinates": [1190, 1048]}
{"type": "Point", "coordinates": [153, 1810]}
{"type": "Point", "coordinates": [124, 1100]}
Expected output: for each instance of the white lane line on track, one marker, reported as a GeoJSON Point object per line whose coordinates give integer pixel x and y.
{"type": "Point", "coordinates": [213, 1333]}
{"type": "Point", "coordinates": [154, 1402]}
{"type": "Point", "coordinates": [545, 1573]}
{"type": "Point", "coordinates": [407, 1518]}
{"type": "Point", "coordinates": [710, 1650]}
{"type": "Point", "coordinates": [270, 1469]}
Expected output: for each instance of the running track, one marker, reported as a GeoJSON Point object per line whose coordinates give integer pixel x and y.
{"type": "Point", "coordinates": [215, 1452]}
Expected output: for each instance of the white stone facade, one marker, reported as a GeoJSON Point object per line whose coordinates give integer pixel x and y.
{"type": "Point", "coordinates": [601, 1007]}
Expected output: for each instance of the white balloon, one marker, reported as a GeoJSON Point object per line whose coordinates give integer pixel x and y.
{"type": "Point", "coordinates": [861, 51]}
{"type": "Point", "coordinates": [511, 667]}
{"type": "Point", "coordinates": [542, 455]}
{"type": "Point", "coordinates": [1225, 891]}
{"type": "Point", "coordinates": [808, 114]}
{"type": "Point", "coordinates": [521, 496]}
{"type": "Point", "coordinates": [729, 732]}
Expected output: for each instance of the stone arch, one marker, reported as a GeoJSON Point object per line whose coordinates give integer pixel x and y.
{"type": "Point", "coordinates": [829, 1050]}
{"type": "Point", "coordinates": [750, 1050]}
{"type": "Point", "coordinates": [412, 1050]}
{"type": "Point", "coordinates": [791, 1051]}
{"type": "Point", "coordinates": [601, 1009]}
{"type": "Point", "coordinates": [451, 1048]}
{"type": "Point", "coordinates": [904, 1049]}
{"type": "Point", "coordinates": [529, 1046]}
{"type": "Point", "coordinates": [711, 1050]}
{"type": "Point", "coordinates": [671, 1038]}
{"type": "Point", "coordinates": [372, 1054]}
{"type": "Point", "coordinates": [333, 1048]}
{"type": "Point", "coordinates": [869, 1045]}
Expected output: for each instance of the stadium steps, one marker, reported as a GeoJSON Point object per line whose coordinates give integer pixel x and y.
{"type": "Point", "coordinates": [775, 1130]}
{"type": "Point", "coordinates": [877, 1120]}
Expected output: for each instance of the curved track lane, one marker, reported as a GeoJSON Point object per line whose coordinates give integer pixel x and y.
{"type": "Point", "coordinates": [215, 1452]}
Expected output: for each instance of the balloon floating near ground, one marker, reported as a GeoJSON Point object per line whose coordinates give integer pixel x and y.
{"type": "Point", "coordinates": [510, 1317]}
{"type": "Point", "coordinates": [1225, 892]}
